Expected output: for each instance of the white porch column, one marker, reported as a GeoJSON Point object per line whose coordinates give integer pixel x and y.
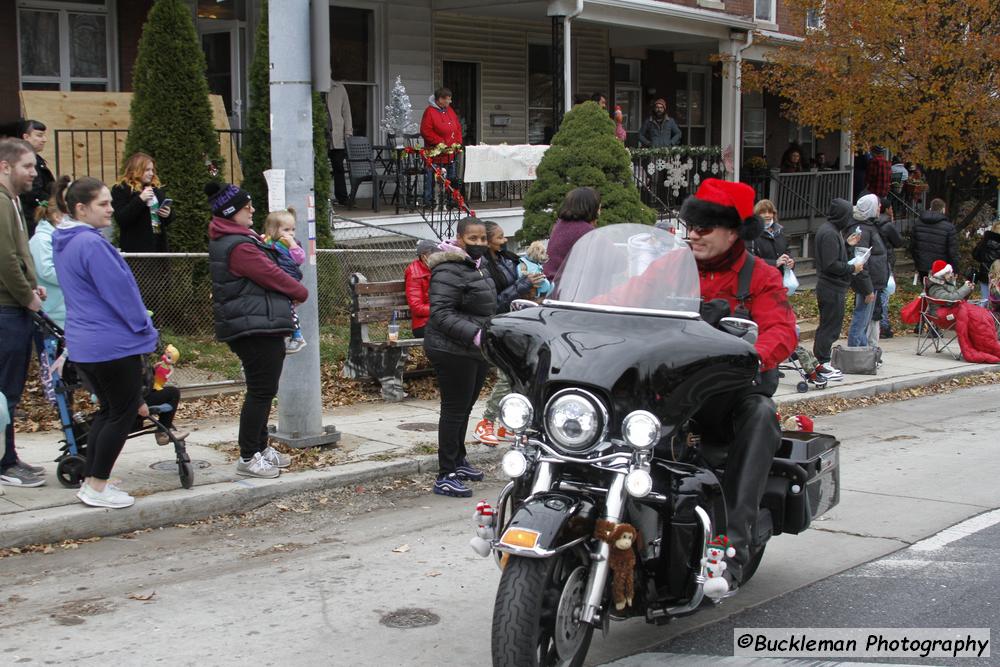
{"type": "Point", "coordinates": [731, 102]}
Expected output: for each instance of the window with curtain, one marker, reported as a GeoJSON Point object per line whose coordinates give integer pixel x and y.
{"type": "Point", "coordinates": [65, 47]}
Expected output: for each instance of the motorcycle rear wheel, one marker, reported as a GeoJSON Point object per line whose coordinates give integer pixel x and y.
{"type": "Point", "coordinates": [533, 617]}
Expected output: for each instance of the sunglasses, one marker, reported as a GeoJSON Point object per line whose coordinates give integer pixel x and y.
{"type": "Point", "coordinates": [702, 231]}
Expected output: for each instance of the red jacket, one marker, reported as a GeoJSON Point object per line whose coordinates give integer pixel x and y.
{"type": "Point", "coordinates": [768, 306]}
{"type": "Point", "coordinates": [440, 127]}
{"type": "Point", "coordinates": [418, 286]}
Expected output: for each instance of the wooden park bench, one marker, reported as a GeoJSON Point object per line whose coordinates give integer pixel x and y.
{"type": "Point", "coordinates": [380, 359]}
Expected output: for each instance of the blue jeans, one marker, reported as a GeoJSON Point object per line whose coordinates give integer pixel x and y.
{"type": "Point", "coordinates": [857, 334]}
{"type": "Point", "coordinates": [430, 179]}
{"type": "Point", "coordinates": [16, 330]}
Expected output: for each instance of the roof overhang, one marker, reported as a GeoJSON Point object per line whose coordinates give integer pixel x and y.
{"type": "Point", "coordinates": [656, 15]}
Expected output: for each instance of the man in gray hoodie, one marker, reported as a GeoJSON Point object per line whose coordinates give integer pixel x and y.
{"type": "Point", "coordinates": [833, 278]}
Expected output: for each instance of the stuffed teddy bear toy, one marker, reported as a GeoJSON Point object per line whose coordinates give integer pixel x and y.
{"type": "Point", "coordinates": [622, 537]}
{"type": "Point", "coordinates": [716, 585]}
{"type": "Point", "coordinates": [164, 367]}
{"type": "Point", "coordinates": [484, 518]}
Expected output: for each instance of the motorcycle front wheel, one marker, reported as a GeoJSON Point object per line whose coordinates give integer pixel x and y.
{"type": "Point", "coordinates": [534, 619]}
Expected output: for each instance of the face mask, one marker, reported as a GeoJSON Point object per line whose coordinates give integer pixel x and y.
{"type": "Point", "coordinates": [503, 248]}
{"type": "Point", "coordinates": [476, 251]}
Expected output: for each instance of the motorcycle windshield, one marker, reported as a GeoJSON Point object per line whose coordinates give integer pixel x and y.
{"type": "Point", "coordinates": [629, 266]}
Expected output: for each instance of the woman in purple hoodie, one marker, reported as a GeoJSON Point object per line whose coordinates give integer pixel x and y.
{"type": "Point", "coordinates": [577, 216]}
{"type": "Point", "coordinates": [108, 331]}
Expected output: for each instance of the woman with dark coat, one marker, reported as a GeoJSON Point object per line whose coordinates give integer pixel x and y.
{"type": "Point", "coordinates": [772, 245]}
{"type": "Point", "coordinates": [463, 299]}
{"type": "Point", "coordinates": [892, 239]}
{"type": "Point", "coordinates": [986, 252]}
{"type": "Point", "coordinates": [136, 198]}
{"type": "Point", "coordinates": [577, 216]}
{"type": "Point", "coordinates": [252, 303]}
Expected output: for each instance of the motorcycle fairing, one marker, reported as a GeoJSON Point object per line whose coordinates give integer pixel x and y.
{"type": "Point", "coordinates": [669, 366]}
{"type": "Point", "coordinates": [558, 519]}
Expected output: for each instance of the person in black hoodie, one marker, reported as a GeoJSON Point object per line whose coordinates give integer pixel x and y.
{"type": "Point", "coordinates": [33, 131]}
{"type": "Point", "coordinates": [833, 278]}
{"type": "Point", "coordinates": [891, 238]}
{"type": "Point", "coordinates": [462, 298]}
{"type": "Point", "coordinates": [986, 252]}
{"type": "Point", "coordinates": [933, 237]}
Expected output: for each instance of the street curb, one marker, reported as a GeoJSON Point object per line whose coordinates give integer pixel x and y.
{"type": "Point", "coordinates": [68, 522]}
{"type": "Point", "coordinates": [886, 387]}
{"type": "Point", "coordinates": [55, 524]}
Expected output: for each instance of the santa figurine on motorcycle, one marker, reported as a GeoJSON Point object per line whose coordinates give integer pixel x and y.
{"type": "Point", "coordinates": [720, 220]}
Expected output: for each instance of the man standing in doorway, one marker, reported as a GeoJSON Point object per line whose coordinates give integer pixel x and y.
{"type": "Point", "coordinates": [19, 295]}
{"type": "Point", "coordinates": [659, 130]}
{"type": "Point", "coordinates": [341, 126]}
{"type": "Point", "coordinates": [33, 131]}
{"type": "Point", "coordinates": [879, 174]}
{"type": "Point", "coordinates": [440, 125]}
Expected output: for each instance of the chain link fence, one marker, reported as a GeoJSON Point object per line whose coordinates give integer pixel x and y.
{"type": "Point", "coordinates": [177, 287]}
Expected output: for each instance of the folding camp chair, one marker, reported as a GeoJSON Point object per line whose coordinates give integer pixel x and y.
{"type": "Point", "coordinates": [937, 325]}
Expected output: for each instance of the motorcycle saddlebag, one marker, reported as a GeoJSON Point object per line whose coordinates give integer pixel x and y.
{"type": "Point", "coordinates": [812, 458]}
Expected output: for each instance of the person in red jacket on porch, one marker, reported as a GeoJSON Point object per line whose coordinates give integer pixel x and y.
{"type": "Point", "coordinates": [439, 125]}
{"type": "Point", "coordinates": [418, 285]}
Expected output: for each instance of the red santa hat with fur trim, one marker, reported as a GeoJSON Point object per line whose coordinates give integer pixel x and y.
{"type": "Point", "coordinates": [941, 268]}
{"type": "Point", "coordinates": [719, 203]}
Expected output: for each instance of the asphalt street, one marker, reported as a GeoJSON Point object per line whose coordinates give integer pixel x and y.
{"type": "Point", "coordinates": [323, 578]}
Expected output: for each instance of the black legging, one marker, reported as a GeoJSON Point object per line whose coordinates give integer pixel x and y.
{"type": "Point", "coordinates": [118, 385]}
{"type": "Point", "coordinates": [169, 395]}
{"type": "Point", "coordinates": [263, 358]}
{"type": "Point", "coordinates": [459, 380]}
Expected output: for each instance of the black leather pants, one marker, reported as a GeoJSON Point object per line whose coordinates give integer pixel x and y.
{"type": "Point", "coordinates": [749, 422]}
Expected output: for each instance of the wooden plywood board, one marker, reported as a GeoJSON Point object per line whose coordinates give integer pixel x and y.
{"type": "Point", "coordinates": [78, 150]}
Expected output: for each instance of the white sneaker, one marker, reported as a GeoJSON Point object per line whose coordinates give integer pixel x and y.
{"type": "Point", "coordinates": [258, 466]}
{"type": "Point", "coordinates": [829, 372]}
{"type": "Point", "coordinates": [276, 458]}
{"type": "Point", "coordinates": [111, 496]}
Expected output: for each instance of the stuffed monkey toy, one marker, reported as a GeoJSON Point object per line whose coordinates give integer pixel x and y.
{"type": "Point", "coordinates": [622, 537]}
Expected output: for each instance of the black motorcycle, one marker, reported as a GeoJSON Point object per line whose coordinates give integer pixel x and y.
{"type": "Point", "coordinates": [607, 377]}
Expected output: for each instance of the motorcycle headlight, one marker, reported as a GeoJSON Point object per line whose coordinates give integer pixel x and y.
{"type": "Point", "coordinates": [514, 464]}
{"type": "Point", "coordinates": [516, 412]}
{"type": "Point", "coordinates": [575, 420]}
{"type": "Point", "coordinates": [641, 429]}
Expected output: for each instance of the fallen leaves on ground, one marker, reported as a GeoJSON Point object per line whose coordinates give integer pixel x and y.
{"type": "Point", "coordinates": [45, 548]}
{"type": "Point", "coordinates": [401, 549]}
{"type": "Point", "coordinates": [141, 597]}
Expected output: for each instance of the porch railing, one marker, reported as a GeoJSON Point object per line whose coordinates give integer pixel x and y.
{"type": "Point", "coordinates": [101, 153]}
{"type": "Point", "coordinates": [666, 176]}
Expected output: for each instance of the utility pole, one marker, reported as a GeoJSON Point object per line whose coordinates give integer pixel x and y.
{"type": "Point", "coordinates": [300, 407]}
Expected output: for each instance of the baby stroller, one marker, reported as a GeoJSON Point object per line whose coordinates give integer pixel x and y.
{"type": "Point", "coordinates": [60, 380]}
{"type": "Point", "coordinates": [804, 363]}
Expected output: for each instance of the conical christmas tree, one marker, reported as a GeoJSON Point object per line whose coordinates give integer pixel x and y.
{"type": "Point", "coordinates": [399, 112]}
{"type": "Point", "coordinates": [584, 152]}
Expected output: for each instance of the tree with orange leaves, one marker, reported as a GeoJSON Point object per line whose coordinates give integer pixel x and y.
{"type": "Point", "coordinates": [920, 77]}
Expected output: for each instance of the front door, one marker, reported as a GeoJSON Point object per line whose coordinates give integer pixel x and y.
{"type": "Point", "coordinates": [463, 80]}
{"type": "Point", "coordinates": [224, 45]}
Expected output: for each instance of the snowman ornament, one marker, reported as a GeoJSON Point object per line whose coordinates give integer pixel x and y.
{"type": "Point", "coordinates": [717, 550]}
{"type": "Point", "coordinates": [484, 519]}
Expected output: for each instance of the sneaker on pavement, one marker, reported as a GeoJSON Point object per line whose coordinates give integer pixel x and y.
{"type": "Point", "coordinates": [163, 439]}
{"type": "Point", "coordinates": [258, 466]}
{"type": "Point", "coordinates": [466, 471]}
{"type": "Point", "coordinates": [295, 345]}
{"type": "Point", "coordinates": [484, 433]}
{"type": "Point", "coordinates": [36, 470]}
{"type": "Point", "coordinates": [111, 496]}
{"type": "Point", "coordinates": [18, 476]}
{"type": "Point", "coordinates": [829, 372]}
{"type": "Point", "coordinates": [451, 485]}
{"type": "Point", "coordinates": [276, 458]}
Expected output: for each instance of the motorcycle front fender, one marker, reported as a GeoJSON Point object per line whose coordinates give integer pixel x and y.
{"type": "Point", "coordinates": [547, 524]}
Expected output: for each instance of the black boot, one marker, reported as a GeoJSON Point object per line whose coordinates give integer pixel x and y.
{"type": "Point", "coordinates": [757, 439]}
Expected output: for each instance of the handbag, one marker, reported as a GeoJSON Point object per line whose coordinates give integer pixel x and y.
{"type": "Point", "coordinates": [790, 281]}
{"type": "Point", "coordinates": [856, 360]}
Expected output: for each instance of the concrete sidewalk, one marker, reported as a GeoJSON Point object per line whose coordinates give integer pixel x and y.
{"type": "Point", "coordinates": [379, 439]}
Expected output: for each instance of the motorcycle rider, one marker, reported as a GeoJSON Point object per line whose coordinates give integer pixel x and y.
{"type": "Point", "coordinates": [720, 221]}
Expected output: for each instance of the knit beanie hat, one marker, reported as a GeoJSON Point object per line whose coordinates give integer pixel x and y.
{"type": "Point", "coordinates": [719, 203]}
{"type": "Point", "coordinates": [226, 199]}
{"type": "Point", "coordinates": [866, 208]}
{"type": "Point", "coordinates": [425, 247]}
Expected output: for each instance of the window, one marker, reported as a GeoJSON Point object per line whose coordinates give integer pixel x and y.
{"type": "Point", "coordinates": [814, 19]}
{"type": "Point", "coordinates": [764, 11]}
{"type": "Point", "coordinates": [539, 93]}
{"type": "Point", "coordinates": [692, 102]}
{"type": "Point", "coordinates": [353, 63]}
{"type": "Point", "coordinates": [65, 45]}
{"type": "Point", "coordinates": [628, 92]}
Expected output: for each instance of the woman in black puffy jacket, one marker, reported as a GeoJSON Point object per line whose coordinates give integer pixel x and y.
{"type": "Point", "coordinates": [463, 298]}
{"type": "Point", "coordinates": [986, 252]}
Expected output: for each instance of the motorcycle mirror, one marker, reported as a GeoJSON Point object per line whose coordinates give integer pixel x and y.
{"type": "Point", "coordinates": [739, 327]}
{"type": "Point", "coordinates": [521, 304]}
